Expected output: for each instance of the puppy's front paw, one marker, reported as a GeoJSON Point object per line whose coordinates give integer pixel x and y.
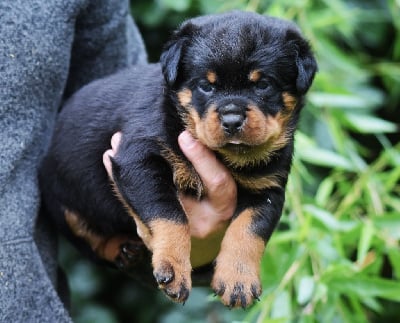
{"type": "Point", "coordinates": [169, 242]}
{"type": "Point", "coordinates": [236, 284]}
{"type": "Point", "coordinates": [174, 279]}
{"type": "Point", "coordinates": [237, 269]}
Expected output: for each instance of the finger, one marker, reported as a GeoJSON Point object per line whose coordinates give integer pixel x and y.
{"type": "Point", "coordinates": [115, 141]}
{"type": "Point", "coordinates": [219, 183]}
{"type": "Point", "coordinates": [107, 162]}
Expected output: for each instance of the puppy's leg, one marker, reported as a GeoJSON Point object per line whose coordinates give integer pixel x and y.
{"type": "Point", "coordinates": [237, 271]}
{"type": "Point", "coordinates": [120, 250]}
{"type": "Point", "coordinates": [144, 182]}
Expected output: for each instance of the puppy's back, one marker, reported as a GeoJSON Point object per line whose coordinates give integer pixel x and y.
{"type": "Point", "coordinates": [72, 172]}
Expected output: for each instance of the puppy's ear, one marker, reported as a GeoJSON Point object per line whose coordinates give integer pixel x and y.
{"type": "Point", "coordinates": [305, 61]}
{"type": "Point", "coordinates": [307, 67]}
{"type": "Point", "coordinates": [173, 52]}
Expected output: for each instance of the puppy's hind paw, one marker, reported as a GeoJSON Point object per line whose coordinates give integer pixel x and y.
{"type": "Point", "coordinates": [130, 254]}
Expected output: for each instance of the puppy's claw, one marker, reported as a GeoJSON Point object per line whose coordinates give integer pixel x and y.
{"type": "Point", "coordinates": [232, 302]}
{"type": "Point", "coordinates": [172, 283]}
{"type": "Point", "coordinates": [238, 295]}
{"type": "Point", "coordinates": [243, 301]}
{"type": "Point", "coordinates": [164, 279]}
{"type": "Point", "coordinates": [255, 292]}
{"type": "Point", "coordinates": [181, 296]}
{"type": "Point", "coordinates": [220, 290]}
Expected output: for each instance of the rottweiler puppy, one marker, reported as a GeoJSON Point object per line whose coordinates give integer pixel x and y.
{"type": "Point", "coordinates": [237, 82]}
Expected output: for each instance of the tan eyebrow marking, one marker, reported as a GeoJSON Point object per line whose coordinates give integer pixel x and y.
{"type": "Point", "coordinates": [211, 77]}
{"type": "Point", "coordinates": [255, 75]}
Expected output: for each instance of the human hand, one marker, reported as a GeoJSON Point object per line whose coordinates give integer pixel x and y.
{"type": "Point", "coordinates": [208, 218]}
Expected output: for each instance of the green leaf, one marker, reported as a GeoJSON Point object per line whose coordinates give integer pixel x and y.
{"type": "Point", "coordinates": [324, 191]}
{"type": "Point", "coordinates": [321, 291]}
{"type": "Point", "coordinates": [394, 257]}
{"type": "Point", "coordinates": [324, 158]}
{"type": "Point", "coordinates": [367, 233]}
{"type": "Point", "coordinates": [389, 224]}
{"type": "Point", "coordinates": [367, 287]}
{"type": "Point", "coordinates": [328, 219]}
{"type": "Point", "coordinates": [390, 69]}
{"type": "Point", "coordinates": [372, 303]}
{"type": "Point", "coordinates": [305, 290]}
{"type": "Point", "coordinates": [345, 101]}
{"type": "Point", "coordinates": [282, 306]}
{"type": "Point", "coordinates": [369, 124]}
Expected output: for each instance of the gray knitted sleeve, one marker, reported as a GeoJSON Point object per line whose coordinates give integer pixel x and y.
{"type": "Point", "coordinates": [48, 49]}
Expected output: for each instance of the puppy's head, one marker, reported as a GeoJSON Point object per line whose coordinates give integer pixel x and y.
{"type": "Point", "coordinates": [239, 80]}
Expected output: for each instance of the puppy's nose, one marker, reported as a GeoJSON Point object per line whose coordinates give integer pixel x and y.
{"type": "Point", "coordinates": [232, 118]}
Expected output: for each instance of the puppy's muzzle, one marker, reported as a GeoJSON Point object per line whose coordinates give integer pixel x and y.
{"type": "Point", "coordinates": [232, 118]}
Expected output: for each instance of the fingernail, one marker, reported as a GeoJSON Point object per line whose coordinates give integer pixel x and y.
{"type": "Point", "coordinates": [115, 140]}
{"type": "Point", "coordinates": [186, 139]}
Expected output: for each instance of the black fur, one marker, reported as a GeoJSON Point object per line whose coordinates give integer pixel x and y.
{"type": "Point", "coordinates": [142, 103]}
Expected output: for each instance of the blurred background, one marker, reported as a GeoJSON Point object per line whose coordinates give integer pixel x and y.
{"type": "Point", "coordinates": [336, 255]}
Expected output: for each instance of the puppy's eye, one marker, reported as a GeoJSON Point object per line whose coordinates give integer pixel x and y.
{"type": "Point", "coordinates": [262, 85]}
{"type": "Point", "coordinates": [206, 87]}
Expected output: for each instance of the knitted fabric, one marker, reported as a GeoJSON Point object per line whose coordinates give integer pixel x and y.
{"type": "Point", "coordinates": [48, 49]}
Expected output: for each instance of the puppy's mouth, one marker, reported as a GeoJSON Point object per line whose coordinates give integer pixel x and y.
{"type": "Point", "coordinates": [235, 142]}
{"type": "Point", "coordinates": [236, 147]}
{"type": "Point", "coordinates": [238, 144]}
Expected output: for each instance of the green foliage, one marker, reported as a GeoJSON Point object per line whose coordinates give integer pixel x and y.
{"type": "Point", "coordinates": [337, 258]}
{"type": "Point", "coordinates": [336, 255]}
